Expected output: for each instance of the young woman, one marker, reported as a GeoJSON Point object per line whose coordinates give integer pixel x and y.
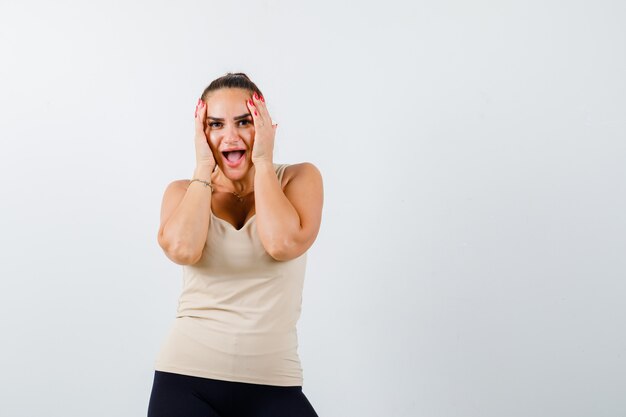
{"type": "Point", "coordinates": [240, 228]}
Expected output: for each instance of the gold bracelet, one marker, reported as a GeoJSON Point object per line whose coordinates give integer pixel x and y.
{"type": "Point", "coordinates": [206, 184]}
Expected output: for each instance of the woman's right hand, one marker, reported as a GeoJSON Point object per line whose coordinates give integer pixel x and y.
{"type": "Point", "coordinates": [204, 154]}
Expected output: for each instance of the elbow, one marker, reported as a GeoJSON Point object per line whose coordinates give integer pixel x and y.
{"type": "Point", "coordinates": [284, 250]}
{"type": "Point", "coordinates": [179, 254]}
{"type": "Point", "coordinates": [277, 256]}
{"type": "Point", "coordinates": [183, 258]}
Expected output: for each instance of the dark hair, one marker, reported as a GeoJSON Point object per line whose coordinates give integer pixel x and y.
{"type": "Point", "coordinates": [231, 80]}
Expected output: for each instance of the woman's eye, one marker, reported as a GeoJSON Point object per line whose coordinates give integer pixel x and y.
{"type": "Point", "coordinates": [213, 124]}
{"type": "Point", "coordinates": [245, 122]}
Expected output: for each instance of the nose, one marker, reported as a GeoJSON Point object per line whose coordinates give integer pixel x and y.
{"type": "Point", "coordinates": [230, 132]}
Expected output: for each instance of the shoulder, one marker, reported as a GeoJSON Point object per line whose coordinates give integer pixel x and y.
{"type": "Point", "coordinates": [301, 171]}
{"type": "Point", "coordinates": [179, 184]}
{"type": "Point", "coordinates": [177, 187]}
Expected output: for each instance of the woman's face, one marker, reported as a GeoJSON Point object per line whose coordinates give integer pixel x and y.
{"type": "Point", "coordinates": [229, 126]}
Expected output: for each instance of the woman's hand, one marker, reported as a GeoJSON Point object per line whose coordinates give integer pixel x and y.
{"type": "Point", "coordinates": [264, 131]}
{"type": "Point", "coordinates": [204, 154]}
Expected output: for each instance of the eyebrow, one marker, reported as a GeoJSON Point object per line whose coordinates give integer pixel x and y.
{"type": "Point", "coordinates": [219, 119]}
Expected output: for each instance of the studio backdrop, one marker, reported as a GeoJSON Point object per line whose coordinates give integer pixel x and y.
{"type": "Point", "coordinates": [470, 260]}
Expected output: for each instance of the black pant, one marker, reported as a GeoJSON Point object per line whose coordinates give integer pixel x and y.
{"type": "Point", "coordinates": [175, 395]}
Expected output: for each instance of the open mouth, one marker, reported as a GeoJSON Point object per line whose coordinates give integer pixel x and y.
{"type": "Point", "coordinates": [234, 156]}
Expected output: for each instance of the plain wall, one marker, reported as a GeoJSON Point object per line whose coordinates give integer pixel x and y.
{"type": "Point", "coordinates": [471, 256]}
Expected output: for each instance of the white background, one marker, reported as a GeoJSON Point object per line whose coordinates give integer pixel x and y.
{"type": "Point", "coordinates": [471, 256]}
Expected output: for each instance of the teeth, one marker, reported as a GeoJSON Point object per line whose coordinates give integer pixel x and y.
{"type": "Point", "coordinates": [234, 155]}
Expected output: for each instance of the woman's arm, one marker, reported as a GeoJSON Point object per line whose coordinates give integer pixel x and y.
{"type": "Point", "coordinates": [288, 222]}
{"type": "Point", "coordinates": [185, 217]}
{"type": "Point", "coordinates": [186, 207]}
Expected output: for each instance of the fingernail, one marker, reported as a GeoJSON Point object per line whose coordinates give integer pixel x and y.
{"type": "Point", "coordinates": [255, 113]}
{"type": "Point", "coordinates": [256, 95]}
{"type": "Point", "coordinates": [262, 99]}
{"type": "Point", "coordinates": [250, 102]}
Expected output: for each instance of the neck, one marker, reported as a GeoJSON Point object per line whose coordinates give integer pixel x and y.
{"type": "Point", "coordinates": [241, 186]}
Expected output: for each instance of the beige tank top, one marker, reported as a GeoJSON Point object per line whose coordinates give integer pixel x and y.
{"type": "Point", "coordinates": [237, 313]}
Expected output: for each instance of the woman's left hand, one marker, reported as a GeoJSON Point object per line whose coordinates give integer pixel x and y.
{"type": "Point", "coordinates": [264, 131]}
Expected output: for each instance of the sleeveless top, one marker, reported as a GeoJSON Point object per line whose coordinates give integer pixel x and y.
{"type": "Point", "coordinates": [237, 313]}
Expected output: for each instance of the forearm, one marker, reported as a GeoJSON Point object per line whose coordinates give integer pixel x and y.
{"type": "Point", "coordinates": [277, 220]}
{"type": "Point", "coordinates": [185, 233]}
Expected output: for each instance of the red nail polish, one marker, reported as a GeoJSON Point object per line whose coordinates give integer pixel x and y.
{"type": "Point", "coordinates": [256, 95]}
{"type": "Point", "coordinates": [250, 102]}
{"type": "Point", "coordinates": [262, 99]}
{"type": "Point", "coordinates": [255, 113]}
